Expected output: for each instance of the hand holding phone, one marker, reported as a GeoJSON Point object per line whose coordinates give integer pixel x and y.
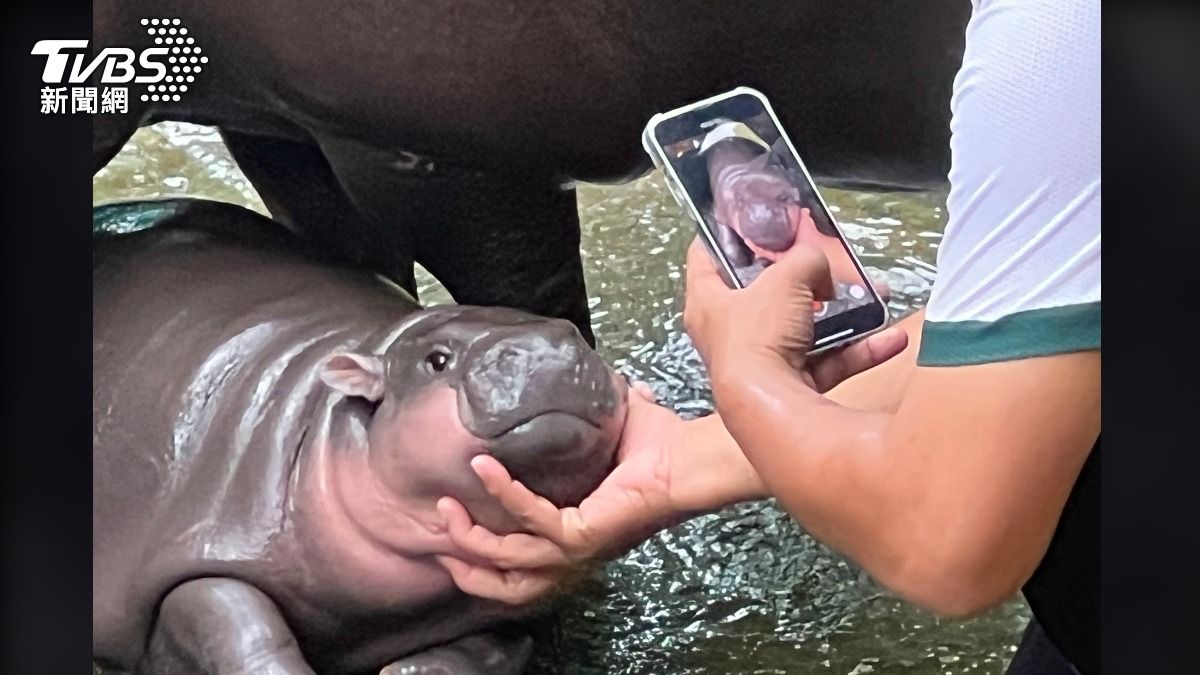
{"type": "Point", "coordinates": [729, 163]}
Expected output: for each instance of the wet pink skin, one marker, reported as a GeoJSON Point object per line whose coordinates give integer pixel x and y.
{"type": "Point", "coordinates": [372, 524]}
{"type": "Point", "coordinates": [249, 486]}
{"type": "Point", "coordinates": [370, 505]}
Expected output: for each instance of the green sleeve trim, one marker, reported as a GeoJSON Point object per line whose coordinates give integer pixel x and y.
{"type": "Point", "coordinates": [130, 216]}
{"type": "Point", "coordinates": [1023, 335]}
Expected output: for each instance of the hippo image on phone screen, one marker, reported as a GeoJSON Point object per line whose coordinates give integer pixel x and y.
{"type": "Point", "coordinates": [758, 203]}
{"type": "Point", "coordinates": [757, 208]}
{"type": "Point", "coordinates": [271, 436]}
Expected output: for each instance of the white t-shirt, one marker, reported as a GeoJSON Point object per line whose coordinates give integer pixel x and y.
{"type": "Point", "coordinates": [1019, 265]}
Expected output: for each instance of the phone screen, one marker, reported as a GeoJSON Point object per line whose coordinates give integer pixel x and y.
{"type": "Point", "coordinates": [756, 201]}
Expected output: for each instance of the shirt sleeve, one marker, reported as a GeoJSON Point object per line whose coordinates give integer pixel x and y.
{"type": "Point", "coordinates": [1019, 264]}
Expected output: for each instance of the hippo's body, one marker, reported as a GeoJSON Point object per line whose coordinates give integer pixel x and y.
{"type": "Point", "coordinates": [270, 437]}
{"type": "Point", "coordinates": [443, 132]}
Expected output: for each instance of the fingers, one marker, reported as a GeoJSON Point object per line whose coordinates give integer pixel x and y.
{"type": "Point", "coordinates": [644, 391]}
{"type": "Point", "coordinates": [535, 513]}
{"type": "Point", "coordinates": [829, 370]}
{"type": "Point", "coordinates": [514, 588]}
{"type": "Point", "coordinates": [510, 552]}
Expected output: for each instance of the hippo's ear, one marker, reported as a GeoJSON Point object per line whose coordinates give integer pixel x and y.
{"type": "Point", "coordinates": [760, 162]}
{"type": "Point", "coordinates": [354, 375]}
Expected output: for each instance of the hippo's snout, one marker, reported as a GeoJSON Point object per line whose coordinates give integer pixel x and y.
{"type": "Point", "coordinates": [768, 225]}
{"type": "Point", "coordinates": [549, 407]}
{"type": "Point", "coordinates": [532, 369]}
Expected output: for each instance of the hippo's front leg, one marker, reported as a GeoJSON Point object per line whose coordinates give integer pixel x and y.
{"type": "Point", "coordinates": [221, 626]}
{"type": "Point", "coordinates": [482, 654]}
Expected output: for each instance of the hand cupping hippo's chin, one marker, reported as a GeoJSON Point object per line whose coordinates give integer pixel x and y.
{"type": "Point", "coordinates": [271, 437]}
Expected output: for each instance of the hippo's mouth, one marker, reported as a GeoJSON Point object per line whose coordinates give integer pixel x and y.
{"type": "Point", "coordinates": [551, 431]}
{"type": "Point", "coordinates": [559, 455]}
{"type": "Point", "coordinates": [769, 226]}
{"type": "Point", "coordinates": [546, 406]}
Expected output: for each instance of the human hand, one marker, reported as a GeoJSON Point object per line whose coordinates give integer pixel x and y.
{"type": "Point", "coordinates": [772, 320]}
{"type": "Point", "coordinates": [632, 503]}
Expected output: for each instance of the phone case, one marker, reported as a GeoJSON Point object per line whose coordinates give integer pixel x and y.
{"type": "Point", "coordinates": [653, 149]}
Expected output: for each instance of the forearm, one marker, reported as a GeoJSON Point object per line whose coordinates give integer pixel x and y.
{"type": "Point", "coordinates": [824, 462]}
{"type": "Point", "coordinates": [708, 469]}
{"type": "Point", "coordinates": [954, 520]}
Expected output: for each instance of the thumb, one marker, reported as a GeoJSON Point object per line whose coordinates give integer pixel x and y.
{"type": "Point", "coordinates": [802, 266]}
{"type": "Point", "coordinates": [828, 370]}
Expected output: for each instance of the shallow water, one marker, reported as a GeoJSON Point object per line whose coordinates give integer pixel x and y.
{"type": "Point", "coordinates": [741, 591]}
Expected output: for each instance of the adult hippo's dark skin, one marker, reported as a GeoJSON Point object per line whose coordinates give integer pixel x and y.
{"type": "Point", "coordinates": [443, 132]}
{"type": "Point", "coordinates": [270, 438]}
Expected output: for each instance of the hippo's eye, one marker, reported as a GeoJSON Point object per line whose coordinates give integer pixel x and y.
{"type": "Point", "coordinates": [438, 360]}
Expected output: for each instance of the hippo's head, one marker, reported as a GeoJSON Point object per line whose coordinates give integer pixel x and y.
{"type": "Point", "coordinates": [766, 208]}
{"type": "Point", "coordinates": [454, 382]}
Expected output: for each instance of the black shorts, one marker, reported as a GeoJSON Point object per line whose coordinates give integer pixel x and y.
{"type": "Point", "coordinates": [1037, 655]}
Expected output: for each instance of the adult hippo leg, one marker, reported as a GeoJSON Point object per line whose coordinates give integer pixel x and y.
{"type": "Point", "coordinates": [519, 248]}
{"type": "Point", "coordinates": [484, 654]}
{"type": "Point", "coordinates": [496, 240]}
{"type": "Point", "coordinates": [218, 626]}
{"type": "Point", "coordinates": [301, 191]}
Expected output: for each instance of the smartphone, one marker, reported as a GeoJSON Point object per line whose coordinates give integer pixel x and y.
{"type": "Point", "coordinates": [729, 164]}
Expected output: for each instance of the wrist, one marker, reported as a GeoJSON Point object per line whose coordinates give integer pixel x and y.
{"type": "Point", "coordinates": [736, 370]}
{"type": "Point", "coordinates": [757, 383]}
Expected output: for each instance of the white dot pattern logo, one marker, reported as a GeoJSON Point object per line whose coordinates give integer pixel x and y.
{"type": "Point", "coordinates": [170, 34]}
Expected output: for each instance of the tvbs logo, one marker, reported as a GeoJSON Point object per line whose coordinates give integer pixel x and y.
{"type": "Point", "coordinates": [166, 70]}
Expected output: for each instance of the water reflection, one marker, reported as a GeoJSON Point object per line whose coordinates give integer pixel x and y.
{"type": "Point", "coordinates": [741, 591]}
